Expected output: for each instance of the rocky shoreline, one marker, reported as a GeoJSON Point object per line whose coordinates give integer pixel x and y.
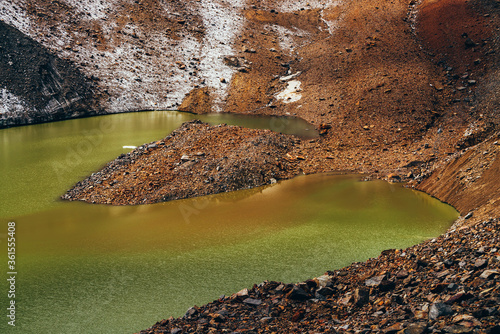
{"type": "Point", "coordinates": [450, 284]}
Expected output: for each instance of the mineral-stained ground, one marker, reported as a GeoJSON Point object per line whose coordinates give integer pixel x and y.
{"type": "Point", "coordinates": [403, 90]}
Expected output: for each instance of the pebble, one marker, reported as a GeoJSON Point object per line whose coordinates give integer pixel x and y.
{"type": "Point", "coordinates": [489, 273]}
{"type": "Point", "coordinates": [439, 309]}
{"type": "Point", "coordinates": [298, 293]}
{"type": "Point", "coordinates": [375, 281]}
{"type": "Point", "coordinates": [480, 263]}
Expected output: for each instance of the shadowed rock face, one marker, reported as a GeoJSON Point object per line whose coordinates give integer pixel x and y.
{"type": "Point", "coordinates": [37, 86]}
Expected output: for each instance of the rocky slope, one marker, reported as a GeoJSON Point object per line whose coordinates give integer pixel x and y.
{"type": "Point", "coordinates": [470, 180]}
{"type": "Point", "coordinates": [399, 89]}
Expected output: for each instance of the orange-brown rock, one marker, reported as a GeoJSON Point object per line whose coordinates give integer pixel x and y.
{"type": "Point", "coordinates": [198, 101]}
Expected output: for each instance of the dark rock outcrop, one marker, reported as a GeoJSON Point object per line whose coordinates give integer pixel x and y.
{"type": "Point", "coordinates": [37, 86]}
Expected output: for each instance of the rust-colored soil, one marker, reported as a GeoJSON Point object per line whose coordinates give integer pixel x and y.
{"type": "Point", "coordinates": [455, 32]}
{"type": "Point", "coordinates": [471, 180]}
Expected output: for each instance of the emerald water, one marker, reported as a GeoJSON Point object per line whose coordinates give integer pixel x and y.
{"type": "Point", "coordinates": [101, 269]}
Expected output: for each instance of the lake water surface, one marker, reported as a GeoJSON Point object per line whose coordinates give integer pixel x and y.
{"type": "Point", "coordinates": [101, 269]}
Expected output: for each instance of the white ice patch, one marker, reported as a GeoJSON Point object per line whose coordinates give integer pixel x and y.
{"type": "Point", "coordinates": [294, 6]}
{"type": "Point", "coordinates": [291, 92]}
{"type": "Point", "coordinates": [291, 76]}
{"type": "Point", "coordinates": [12, 14]}
{"type": "Point", "coordinates": [222, 24]}
{"type": "Point", "coordinates": [286, 37]}
{"type": "Point", "coordinates": [10, 102]}
{"type": "Point", "coordinates": [331, 24]}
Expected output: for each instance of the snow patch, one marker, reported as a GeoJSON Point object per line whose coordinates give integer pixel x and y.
{"type": "Point", "coordinates": [291, 76]}
{"type": "Point", "coordinates": [289, 6]}
{"type": "Point", "coordinates": [293, 6]}
{"type": "Point", "coordinates": [12, 14]}
{"type": "Point", "coordinates": [222, 24]}
{"type": "Point", "coordinates": [10, 103]}
{"type": "Point", "coordinates": [332, 24]}
{"type": "Point", "coordinates": [291, 92]}
{"type": "Point", "coordinates": [286, 37]}
{"type": "Point", "coordinates": [95, 9]}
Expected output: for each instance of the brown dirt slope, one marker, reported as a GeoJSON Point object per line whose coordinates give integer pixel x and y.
{"type": "Point", "coordinates": [463, 36]}
{"type": "Point", "coordinates": [366, 70]}
{"type": "Point", "coordinates": [471, 181]}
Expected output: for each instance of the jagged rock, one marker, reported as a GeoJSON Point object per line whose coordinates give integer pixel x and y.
{"type": "Point", "coordinates": [252, 301]}
{"type": "Point", "coordinates": [191, 311]}
{"type": "Point", "coordinates": [242, 293]}
{"type": "Point", "coordinates": [489, 273]}
{"type": "Point", "coordinates": [439, 309]}
{"type": "Point", "coordinates": [325, 291]}
{"type": "Point", "coordinates": [480, 263]}
{"type": "Point", "coordinates": [361, 296]}
{"type": "Point", "coordinates": [418, 328]}
{"type": "Point", "coordinates": [469, 43]}
{"type": "Point", "coordinates": [402, 274]}
{"type": "Point", "coordinates": [393, 328]}
{"type": "Point", "coordinates": [457, 329]}
{"type": "Point", "coordinates": [375, 281]}
{"type": "Point", "coordinates": [298, 293]}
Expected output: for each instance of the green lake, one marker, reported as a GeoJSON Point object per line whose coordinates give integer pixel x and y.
{"type": "Point", "coordinates": [85, 268]}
